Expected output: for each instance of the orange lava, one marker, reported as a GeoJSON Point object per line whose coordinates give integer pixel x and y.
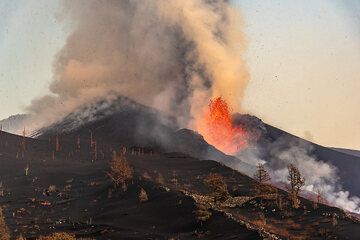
{"type": "Point", "coordinates": [217, 128]}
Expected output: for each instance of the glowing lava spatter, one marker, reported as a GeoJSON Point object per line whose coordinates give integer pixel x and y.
{"type": "Point", "coordinates": [217, 128]}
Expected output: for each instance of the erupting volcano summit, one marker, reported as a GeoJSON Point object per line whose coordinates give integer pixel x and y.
{"type": "Point", "coordinates": [217, 128]}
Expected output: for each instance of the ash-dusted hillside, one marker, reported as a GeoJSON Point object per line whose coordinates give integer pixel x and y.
{"type": "Point", "coordinates": [120, 121]}
{"type": "Point", "coordinates": [14, 123]}
{"type": "Point", "coordinates": [169, 188]}
{"type": "Point", "coordinates": [60, 184]}
{"type": "Point", "coordinates": [71, 194]}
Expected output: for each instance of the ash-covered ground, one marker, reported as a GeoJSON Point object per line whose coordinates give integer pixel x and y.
{"type": "Point", "coordinates": [58, 182]}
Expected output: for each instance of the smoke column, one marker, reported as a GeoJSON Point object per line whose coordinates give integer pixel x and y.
{"type": "Point", "coordinates": [169, 54]}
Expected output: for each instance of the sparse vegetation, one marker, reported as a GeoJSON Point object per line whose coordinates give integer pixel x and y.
{"type": "Point", "coordinates": [59, 236]}
{"type": "Point", "coordinates": [218, 185]}
{"type": "Point", "coordinates": [120, 171]}
{"type": "Point", "coordinates": [2, 190]}
{"type": "Point", "coordinates": [168, 181]}
{"type": "Point", "coordinates": [174, 179]}
{"type": "Point", "coordinates": [160, 179]}
{"type": "Point", "coordinates": [52, 189]}
{"type": "Point", "coordinates": [4, 231]}
{"type": "Point", "coordinates": [296, 183]}
{"type": "Point", "coordinates": [56, 236]}
{"type": "Point", "coordinates": [20, 237]}
{"type": "Point", "coordinates": [143, 197]}
{"type": "Point", "coordinates": [317, 200]}
{"type": "Point", "coordinates": [202, 213]}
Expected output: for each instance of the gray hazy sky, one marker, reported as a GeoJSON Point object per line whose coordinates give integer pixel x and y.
{"type": "Point", "coordinates": [303, 56]}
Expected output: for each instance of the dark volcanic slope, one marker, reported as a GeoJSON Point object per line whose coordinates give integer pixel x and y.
{"type": "Point", "coordinates": [67, 188]}
{"type": "Point", "coordinates": [355, 153]}
{"type": "Point", "coordinates": [79, 202]}
{"type": "Point", "coordinates": [71, 193]}
{"type": "Point", "coordinates": [123, 122]}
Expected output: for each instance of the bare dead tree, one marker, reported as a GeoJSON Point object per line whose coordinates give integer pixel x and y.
{"type": "Point", "coordinates": [94, 151]}
{"type": "Point", "coordinates": [91, 140]}
{"type": "Point", "coordinates": [317, 199]}
{"type": "Point", "coordinates": [23, 143]}
{"type": "Point", "coordinates": [174, 179]}
{"type": "Point", "coordinates": [263, 178]}
{"type": "Point", "coordinates": [78, 143]}
{"type": "Point", "coordinates": [26, 169]}
{"type": "Point", "coordinates": [261, 175]}
{"type": "Point", "coordinates": [57, 143]}
{"type": "Point", "coordinates": [296, 183]}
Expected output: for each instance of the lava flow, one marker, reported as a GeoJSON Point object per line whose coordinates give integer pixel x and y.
{"type": "Point", "coordinates": [217, 128]}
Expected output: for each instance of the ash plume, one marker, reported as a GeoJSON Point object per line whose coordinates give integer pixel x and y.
{"type": "Point", "coordinates": [168, 54]}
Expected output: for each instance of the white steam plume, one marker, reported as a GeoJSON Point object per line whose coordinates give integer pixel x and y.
{"type": "Point", "coordinates": [169, 54]}
{"type": "Point", "coordinates": [318, 174]}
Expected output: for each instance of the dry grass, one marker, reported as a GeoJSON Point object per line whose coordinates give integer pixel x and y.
{"type": "Point", "coordinates": [59, 236]}
{"type": "Point", "coordinates": [62, 236]}
{"type": "Point", "coordinates": [4, 231]}
{"type": "Point", "coordinates": [281, 228]}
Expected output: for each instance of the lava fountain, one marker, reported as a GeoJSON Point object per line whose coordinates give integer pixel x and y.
{"type": "Point", "coordinates": [217, 128]}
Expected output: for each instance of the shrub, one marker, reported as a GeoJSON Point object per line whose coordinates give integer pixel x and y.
{"type": "Point", "coordinates": [202, 213]}
{"type": "Point", "coordinates": [120, 171]}
{"type": "Point", "coordinates": [160, 179]}
{"type": "Point", "coordinates": [143, 197]}
{"type": "Point", "coordinates": [217, 184]}
{"type": "Point", "coordinates": [52, 189]}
